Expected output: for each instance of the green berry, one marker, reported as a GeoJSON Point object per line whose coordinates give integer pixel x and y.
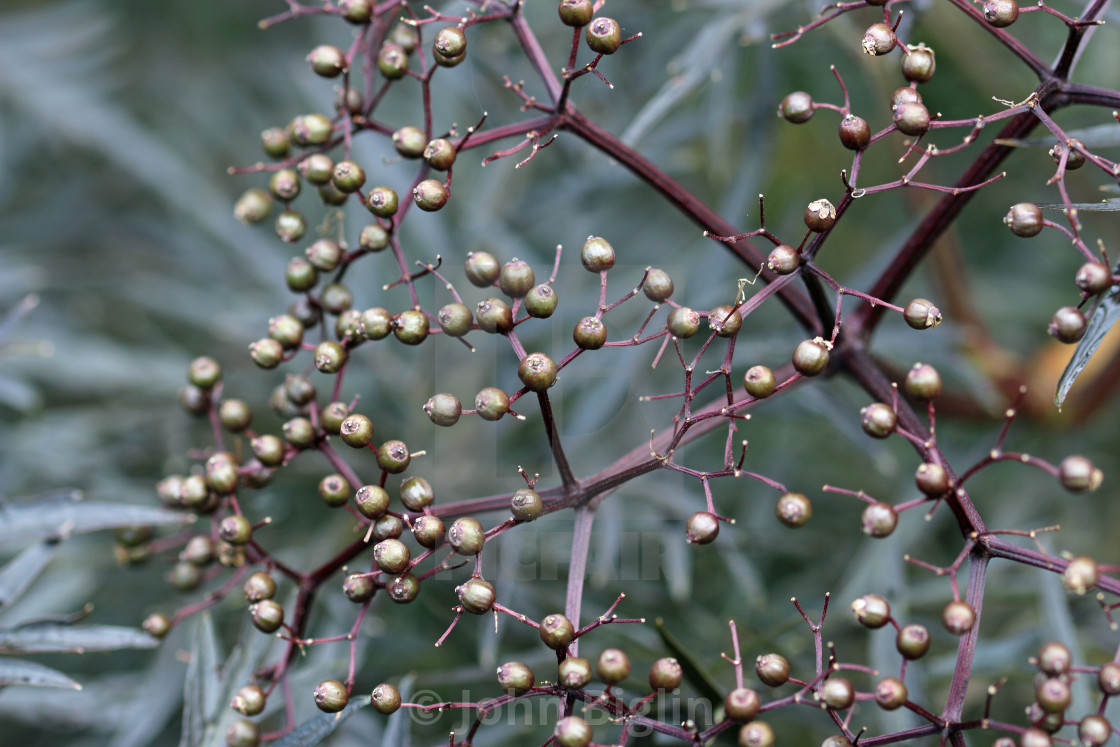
{"type": "Point", "coordinates": [286, 330]}
{"type": "Point", "coordinates": [373, 238]}
{"type": "Point", "coordinates": [683, 322]}
{"type": "Point", "coordinates": [476, 596]}
{"type": "Point", "coordinates": [657, 286]}
{"type": "Point", "coordinates": [702, 528]}
{"type": "Point", "coordinates": [576, 13]}
{"type": "Point", "coordinates": [741, 704]}
{"type": "Point", "coordinates": [878, 420]}
{"type": "Point", "coordinates": [404, 589]}
{"type": "Point", "coordinates": [253, 206]}
{"type": "Point", "coordinates": [356, 431]}
{"type": "Point", "coordinates": [797, 107]}
{"type": "Point", "coordinates": [557, 631]}
{"type": "Point", "coordinates": [334, 490]}
{"type": "Point", "coordinates": [410, 141]}
{"type": "Point", "coordinates": [612, 666]}
{"type": "Point", "coordinates": [331, 696]}
{"type": "Point", "coordinates": [574, 672]}
{"type": "Point", "coordinates": [515, 678]}
{"type": "Point", "coordinates": [392, 61]}
{"type": "Point", "coordinates": [259, 586]}
{"type": "Point", "coordinates": [597, 255]}
{"type": "Point", "coordinates": [572, 731]}
{"type": "Point", "coordinates": [918, 64]}
{"type": "Point", "coordinates": [275, 142]}
{"type": "Point", "coordinates": [725, 321]}
{"type": "Point", "coordinates": [392, 556]}
{"type": "Point", "coordinates": [922, 314]}
{"type": "Point", "coordinates": [665, 674]}
{"type": "Point", "coordinates": [820, 216]}
{"type": "Point", "coordinates": [491, 403]}
{"type": "Point", "coordinates": [537, 371]}
{"type": "Point", "coordinates": [372, 501]}
{"type": "Point", "coordinates": [494, 315]}
{"type": "Point", "coordinates": [526, 504]}
{"type": "Point", "coordinates": [455, 319]}
{"type": "Point", "coordinates": [416, 494]}
{"type": "Point", "coordinates": [249, 700]}
{"type": "Point", "coordinates": [299, 432]}
{"type": "Point", "coordinates": [393, 457]}
{"type": "Point", "coordinates": [235, 529]}
{"type": "Point", "coordinates": [810, 357]}
{"type": "Point", "coordinates": [911, 118]}
{"type": "Point", "coordinates": [386, 698]}
{"type": "Point", "coordinates": [444, 409]}
{"type": "Point", "coordinates": [383, 202]}
{"type": "Point", "coordinates": [376, 323]}
{"type": "Point", "coordinates": [482, 269]}
{"type": "Point", "coordinates": [204, 372]}
{"type": "Point", "coordinates": [318, 168]}
{"type": "Point", "coordinates": [1068, 325]}
{"type": "Point", "coordinates": [772, 669]}
{"type": "Point", "coordinates": [516, 278]}
{"type": "Point", "coordinates": [541, 301]}
{"type": "Point", "coordinates": [332, 416]}
{"type": "Point", "coordinates": [794, 509]}
{"type": "Point", "coordinates": [756, 734]}
{"type": "Point", "coordinates": [330, 357]}
{"type": "Point", "coordinates": [327, 60]}
{"type": "Point", "coordinates": [1078, 475]}
{"type": "Point", "coordinates": [837, 693]}
{"type": "Point", "coordinates": [1001, 13]}
{"type": "Point", "coordinates": [604, 35]}
{"type": "Point", "coordinates": [879, 39]}
{"type": "Point", "coordinates": [301, 275]}
{"type": "Point", "coordinates": [923, 382]}
{"type": "Point", "coordinates": [356, 11]}
{"type": "Point", "coordinates": [590, 333]}
{"type": "Point", "coordinates": [890, 693]}
{"type": "Point", "coordinates": [266, 615]}
{"type": "Point", "coordinates": [871, 611]}
{"type": "Point", "coordinates": [855, 133]}
{"type": "Point", "coordinates": [428, 530]}
{"type": "Point", "coordinates": [759, 382]}
{"type": "Point", "coordinates": [466, 536]}
{"type": "Point", "coordinates": [450, 42]}
{"type": "Point", "coordinates": [284, 185]}
{"type": "Point", "coordinates": [958, 617]}
{"type": "Point", "coordinates": [440, 154]}
{"type": "Point", "coordinates": [879, 519]}
{"type": "Point", "coordinates": [157, 625]}
{"type": "Point", "coordinates": [913, 641]}
{"type": "Point", "coordinates": [411, 327]}
{"type": "Point", "coordinates": [348, 177]}
{"type": "Point", "coordinates": [430, 195]}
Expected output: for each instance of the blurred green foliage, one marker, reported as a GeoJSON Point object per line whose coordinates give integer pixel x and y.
{"type": "Point", "coordinates": [117, 124]}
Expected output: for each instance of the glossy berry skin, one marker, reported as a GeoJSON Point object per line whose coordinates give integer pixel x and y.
{"type": "Point", "coordinates": [372, 501]}
{"type": "Point", "coordinates": [355, 11]}
{"type": "Point", "coordinates": [574, 672]}
{"type": "Point", "coordinates": [658, 285]}
{"type": "Point", "coordinates": [1075, 159]}
{"type": "Point", "coordinates": [683, 322]}
{"type": "Point", "coordinates": [330, 357]}
{"type": "Point", "coordinates": [275, 142]}
{"type": "Point", "coordinates": [411, 327]}
{"type": "Point", "coordinates": [290, 226]}
{"type": "Point", "coordinates": [393, 457]}
{"type": "Point", "coordinates": [466, 536]}
{"type": "Point", "coordinates": [1068, 325]}
{"type": "Point", "coordinates": [741, 704]}
{"type": "Point", "coordinates": [1024, 219]}
{"type": "Point", "coordinates": [515, 678]}
{"type": "Point", "coordinates": [810, 357]}
{"type": "Point", "coordinates": [1054, 659]}
{"type": "Point", "coordinates": [318, 169]}
{"type": "Point", "coordinates": [236, 530]}
{"type": "Point", "coordinates": [772, 669]}
{"type": "Point", "coordinates": [783, 259]}
{"type": "Point", "coordinates": [537, 371]}
{"type": "Point", "coordinates": [1094, 731]}
{"type": "Point", "coordinates": [759, 382]}
{"type": "Point", "coordinates": [491, 403]}
{"type": "Point", "coordinates": [440, 154]}
{"type": "Point", "coordinates": [428, 530]}
{"type": "Point", "coordinates": [526, 504]}
{"type": "Point", "coordinates": [416, 494]}
{"type": "Point", "coordinates": [725, 321]}
{"type": "Point", "coordinates": [455, 319]}
{"type": "Point", "coordinates": [912, 641]}
{"type": "Point", "coordinates": [1053, 695]}
{"type": "Point", "coordinates": [665, 674]}
{"type": "Point", "coordinates": [604, 35]}
{"type": "Point", "coordinates": [878, 420]}
{"type": "Point", "coordinates": [383, 202]}
{"type": "Point", "coordinates": [879, 39]}
{"type": "Point", "coordinates": [392, 61]}
{"type": "Point", "coordinates": [797, 107]}
{"type": "Point", "coordinates": [252, 206]}
{"type": "Point", "coordinates": [516, 278]}
{"type": "Point", "coordinates": [1080, 575]}
{"type": "Point", "coordinates": [879, 519]}
{"type": "Point", "coordinates": [234, 415]}
{"type": "Point", "coordinates": [410, 141]}
{"type": "Point", "coordinates": [482, 269]}
{"type": "Point", "coordinates": [557, 631]}
{"type": "Point", "coordinates": [919, 65]}
{"type": "Point", "coordinates": [1001, 13]}
{"type": "Point", "coordinates": [597, 255]}
{"type": "Point", "coordinates": [157, 625]}
{"type": "Point", "coordinates": [494, 315]}
{"type": "Point", "coordinates": [572, 731]}
{"type": "Point", "coordinates": [249, 700]}
{"type": "Point", "coordinates": [301, 275]}
{"type": "Point", "coordinates": [932, 479]}
{"type": "Point", "coordinates": [204, 372]}
{"type": "Point", "coordinates": [837, 693]}
{"type": "Point", "coordinates": [890, 693]}
{"type": "Point", "coordinates": [590, 333]}
{"type": "Point", "coordinates": [576, 13]}
{"type": "Point", "coordinates": [392, 556]}
{"type": "Point", "coordinates": [405, 589]}
{"type": "Point", "coordinates": [266, 615]}
{"type": "Point", "coordinates": [376, 323]}
{"type": "Point", "coordinates": [284, 185]}
{"type": "Point", "coordinates": [612, 666]}
{"type": "Point", "coordinates": [756, 734]}
{"type": "Point", "coordinates": [820, 216]}
{"type": "Point", "coordinates": [450, 42]}
{"type": "Point", "coordinates": [871, 611]}
{"type": "Point", "coordinates": [430, 195]}
{"type": "Point", "coordinates": [541, 300]}
{"type": "Point", "coordinates": [911, 118]}
{"type": "Point", "coordinates": [794, 509]}
{"type": "Point", "coordinates": [243, 733]}
{"type": "Point", "coordinates": [358, 588]}
{"type": "Point", "coordinates": [385, 698]}
{"type": "Point", "coordinates": [331, 696]}
{"type": "Point", "coordinates": [356, 431]}
{"type": "Point", "coordinates": [1093, 278]}
{"type": "Point", "coordinates": [388, 527]}
{"type": "Point", "coordinates": [334, 490]}
{"type": "Point", "coordinates": [855, 132]}
{"type": "Point", "coordinates": [476, 596]}
{"type": "Point", "coordinates": [920, 313]}
{"type": "Point", "coordinates": [1108, 679]}
{"type": "Point", "coordinates": [259, 586]}
{"type": "Point", "coordinates": [904, 95]}
{"type": "Point", "coordinates": [923, 382]}
{"type": "Point", "coordinates": [444, 409]}
{"type": "Point", "coordinates": [702, 528]}
{"type": "Point", "coordinates": [1077, 474]}
{"type": "Point", "coordinates": [958, 617]}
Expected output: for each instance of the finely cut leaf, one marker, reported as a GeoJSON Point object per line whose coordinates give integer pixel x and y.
{"type": "Point", "coordinates": [1110, 205]}
{"type": "Point", "coordinates": [1104, 316]}
{"type": "Point", "coordinates": [53, 637]}
{"type": "Point", "coordinates": [64, 513]}
{"type": "Point", "coordinates": [20, 672]}
{"type": "Point", "coordinates": [22, 570]}
{"type": "Point", "coordinates": [203, 683]}
{"type": "Point", "coordinates": [315, 729]}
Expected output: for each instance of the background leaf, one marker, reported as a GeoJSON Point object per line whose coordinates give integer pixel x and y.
{"type": "Point", "coordinates": [1104, 316]}
{"type": "Point", "coordinates": [46, 637]}
{"type": "Point", "coordinates": [63, 513]}
{"type": "Point", "coordinates": [20, 672]}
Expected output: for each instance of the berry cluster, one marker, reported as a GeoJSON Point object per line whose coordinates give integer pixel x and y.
{"type": "Point", "coordinates": [406, 542]}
